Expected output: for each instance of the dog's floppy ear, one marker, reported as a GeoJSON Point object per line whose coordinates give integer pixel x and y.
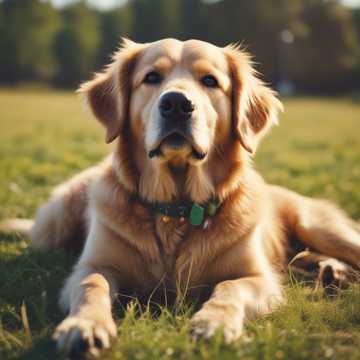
{"type": "Point", "coordinates": [254, 105]}
{"type": "Point", "coordinates": [108, 94]}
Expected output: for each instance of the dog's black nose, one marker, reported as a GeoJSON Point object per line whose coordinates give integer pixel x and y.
{"type": "Point", "coordinates": [175, 105]}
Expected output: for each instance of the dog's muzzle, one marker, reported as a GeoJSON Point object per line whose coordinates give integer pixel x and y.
{"type": "Point", "coordinates": [176, 111]}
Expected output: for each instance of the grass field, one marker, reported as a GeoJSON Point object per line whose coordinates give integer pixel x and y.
{"type": "Point", "coordinates": [45, 137]}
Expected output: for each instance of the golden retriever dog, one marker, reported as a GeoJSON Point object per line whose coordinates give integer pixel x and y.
{"type": "Point", "coordinates": [178, 203]}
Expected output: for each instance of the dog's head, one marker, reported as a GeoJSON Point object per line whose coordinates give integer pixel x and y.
{"type": "Point", "coordinates": [182, 105]}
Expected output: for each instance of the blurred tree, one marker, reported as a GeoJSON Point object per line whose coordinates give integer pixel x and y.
{"type": "Point", "coordinates": [325, 56]}
{"type": "Point", "coordinates": [37, 43]}
{"type": "Point", "coordinates": [155, 19]}
{"type": "Point", "coordinates": [356, 78]}
{"type": "Point", "coordinates": [194, 21]}
{"type": "Point", "coordinates": [76, 45]}
{"type": "Point", "coordinates": [27, 31]}
{"type": "Point", "coordinates": [356, 18]}
{"type": "Point", "coordinates": [115, 24]}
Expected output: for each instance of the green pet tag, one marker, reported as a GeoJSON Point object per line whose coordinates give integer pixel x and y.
{"type": "Point", "coordinates": [196, 215]}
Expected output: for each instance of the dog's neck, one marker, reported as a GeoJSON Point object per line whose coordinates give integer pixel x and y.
{"type": "Point", "coordinates": [178, 173]}
{"type": "Point", "coordinates": [165, 182]}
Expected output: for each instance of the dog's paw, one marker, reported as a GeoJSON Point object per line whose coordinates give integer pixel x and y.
{"type": "Point", "coordinates": [333, 275]}
{"type": "Point", "coordinates": [77, 336]}
{"type": "Point", "coordinates": [205, 323]}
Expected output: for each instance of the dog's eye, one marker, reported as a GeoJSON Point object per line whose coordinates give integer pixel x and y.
{"type": "Point", "coordinates": [210, 81]}
{"type": "Point", "coordinates": [152, 77]}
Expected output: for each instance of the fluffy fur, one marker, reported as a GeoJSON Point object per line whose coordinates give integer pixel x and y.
{"type": "Point", "coordinates": [106, 211]}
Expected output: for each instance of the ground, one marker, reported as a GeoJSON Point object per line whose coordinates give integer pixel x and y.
{"type": "Point", "coordinates": [45, 137]}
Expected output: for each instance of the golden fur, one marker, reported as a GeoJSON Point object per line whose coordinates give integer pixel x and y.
{"type": "Point", "coordinates": [240, 255]}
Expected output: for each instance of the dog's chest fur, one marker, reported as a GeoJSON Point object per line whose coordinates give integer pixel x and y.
{"type": "Point", "coordinates": [170, 235]}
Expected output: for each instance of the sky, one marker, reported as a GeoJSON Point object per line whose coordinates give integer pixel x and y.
{"type": "Point", "coordinates": [351, 3]}
{"type": "Point", "coordinates": [99, 4]}
{"type": "Point", "coordinates": [108, 4]}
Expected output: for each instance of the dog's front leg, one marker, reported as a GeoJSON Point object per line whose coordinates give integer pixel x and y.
{"type": "Point", "coordinates": [88, 296]}
{"type": "Point", "coordinates": [233, 302]}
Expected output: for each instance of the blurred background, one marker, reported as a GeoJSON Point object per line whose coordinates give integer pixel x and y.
{"type": "Point", "coordinates": [306, 48]}
{"type": "Point", "coordinates": [301, 46]}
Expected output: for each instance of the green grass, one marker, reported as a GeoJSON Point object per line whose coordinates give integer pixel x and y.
{"type": "Point", "coordinates": [45, 137]}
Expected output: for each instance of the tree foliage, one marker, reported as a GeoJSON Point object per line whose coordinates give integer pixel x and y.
{"type": "Point", "coordinates": [76, 44]}
{"type": "Point", "coordinates": [64, 46]}
{"type": "Point", "coordinates": [27, 32]}
{"type": "Point", "coordinates": [326, 56]}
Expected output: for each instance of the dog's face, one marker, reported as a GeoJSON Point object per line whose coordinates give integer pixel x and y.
{"type": "Point", "coordinates": [182, 102]}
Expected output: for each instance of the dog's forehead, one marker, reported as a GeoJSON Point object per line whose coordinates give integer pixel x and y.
{"type": "Point", "coordinates": [194, 50]}
{"type": "Point", "coordinates": [185, 53]}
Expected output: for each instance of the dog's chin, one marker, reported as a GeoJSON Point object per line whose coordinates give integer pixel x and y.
{"type": "Point", "coordinates": [176, 156]}
{"type": "Point", "coordinates": [176, 148]}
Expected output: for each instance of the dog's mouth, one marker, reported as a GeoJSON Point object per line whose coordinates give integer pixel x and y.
{"type": "Point", "coordinates": [176, 140]}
